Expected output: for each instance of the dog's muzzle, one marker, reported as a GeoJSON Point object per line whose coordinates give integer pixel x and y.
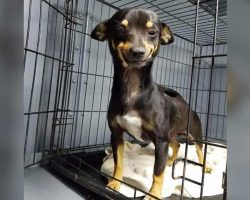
{"type": "Point", "coordinates": [136, 57]}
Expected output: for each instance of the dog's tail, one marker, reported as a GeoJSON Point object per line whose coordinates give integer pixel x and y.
{"type": "Point", "coordinates": [171, 93]}
{"type": "Point", "coordinates": [168, 91]}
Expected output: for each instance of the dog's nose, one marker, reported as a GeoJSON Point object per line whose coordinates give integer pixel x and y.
{"type": "Point", "coordinates": [138, 51]}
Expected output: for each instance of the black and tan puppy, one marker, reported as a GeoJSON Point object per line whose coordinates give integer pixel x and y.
{"type": "Point", "coordinates": [138, 106]}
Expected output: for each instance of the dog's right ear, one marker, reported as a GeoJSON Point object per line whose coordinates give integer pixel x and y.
{"type": "Point", "coordinates": [166, 34]}
{"type": "Point", "coordinates": [100, 32]}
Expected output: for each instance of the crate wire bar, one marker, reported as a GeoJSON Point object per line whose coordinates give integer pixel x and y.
{"type": "Point", "coordinates": [68, 78]}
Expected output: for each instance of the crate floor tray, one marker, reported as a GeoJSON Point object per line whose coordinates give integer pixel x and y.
{"type": "Point", "coordinates": [81, 172]}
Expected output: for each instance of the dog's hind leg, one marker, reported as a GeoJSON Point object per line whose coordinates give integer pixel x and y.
{"type": "Point", "coordinates": [118, 148]}
{"type": "Point", "coordinates": [196, 132]}
{"type": "Point", "coordinates": [201, 158]}
{"type": "Point", "coordinates": [175, 147]}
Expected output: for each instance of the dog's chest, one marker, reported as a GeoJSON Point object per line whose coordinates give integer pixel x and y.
{"type": "Point", "coordinates": [132, 123]}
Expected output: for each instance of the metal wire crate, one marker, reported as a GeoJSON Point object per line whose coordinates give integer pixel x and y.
{"type": "Point", "coordinates": [68, 78]}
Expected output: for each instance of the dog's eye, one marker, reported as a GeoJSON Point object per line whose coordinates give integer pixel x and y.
{"type": "Point", "coordinates": [121, 30]}
{"type": "Point", "coordinates": [152, 33]}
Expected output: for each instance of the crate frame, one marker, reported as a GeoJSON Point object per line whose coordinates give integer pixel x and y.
{"type": "Point", "coordinates": [65, 62]}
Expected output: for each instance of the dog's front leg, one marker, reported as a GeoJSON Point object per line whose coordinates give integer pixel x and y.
{"type": "Point", "coordinates": [161, 153]}
{"type": "Point", "coordinates": [118, 148]}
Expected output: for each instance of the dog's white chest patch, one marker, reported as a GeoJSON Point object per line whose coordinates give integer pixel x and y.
{"type": "Point", "coordinates": [131, 122]}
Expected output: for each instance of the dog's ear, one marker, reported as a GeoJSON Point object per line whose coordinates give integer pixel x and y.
{"type": "Point", "coordinates": [100, 32]}
{"type": "Point", "coordinates": [166, 34]}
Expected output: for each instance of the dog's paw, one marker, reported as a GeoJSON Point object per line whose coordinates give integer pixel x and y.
{"type": "Point", "coordinates": [147, 197]}
{"type": "Point", "coordinates": [114, 184]}
{"type": "Point", "coordinates": [208, 170]}
{"type": "Point", "coordinates": [155, 193]}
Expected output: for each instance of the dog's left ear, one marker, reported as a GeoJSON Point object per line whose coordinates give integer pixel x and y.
{"type": "Point", "coordinates": [166, 34]}
{"type": "Point", "coordinates": [100, 32]}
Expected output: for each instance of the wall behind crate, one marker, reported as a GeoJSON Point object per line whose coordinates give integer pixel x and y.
{"type": "Point", "coordinates": [43, 43]}
{"type": "Point", "coordinates": [90, 77]}
{"type": "Point", "coordinates": [202, 75]}
{"type": "Point", "coordinates": [91, 88]}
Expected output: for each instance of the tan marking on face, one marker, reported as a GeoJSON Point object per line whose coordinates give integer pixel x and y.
{"type": "Point", "coordinates": [156, 47]}
{"type": "Point", "coordinates": [125, 46]}
{"type": "Point", "coordinates": [150, 49]}
{"type": "Point", "coordinates": [149, 24]}
{"type": "Point", "coordinates": [120, 49]}
{"type": "Point", "coordinates": [120, 45]}
{"type": "Point", "coordinates": [124, 22]}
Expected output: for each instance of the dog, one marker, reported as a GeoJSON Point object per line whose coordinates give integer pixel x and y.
{"type": "Point", "coordinates": [138, 106]}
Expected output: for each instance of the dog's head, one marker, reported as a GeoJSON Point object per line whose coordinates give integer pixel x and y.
{"type": "Point", "coordinates": [134, 36]}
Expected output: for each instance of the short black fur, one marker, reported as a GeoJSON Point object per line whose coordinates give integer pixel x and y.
{"type": "Point", "coordinates": [134, 37]}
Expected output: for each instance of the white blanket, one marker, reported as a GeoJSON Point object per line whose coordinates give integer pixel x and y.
{"type": "Point", "coordinates": [138, 170]}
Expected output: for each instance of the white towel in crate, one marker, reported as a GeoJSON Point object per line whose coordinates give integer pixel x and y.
{"type": "Point", "coordinates": [138, 169]}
